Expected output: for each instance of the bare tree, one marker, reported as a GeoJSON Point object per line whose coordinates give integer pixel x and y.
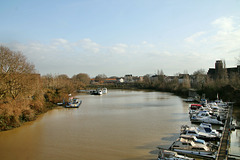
{"type": "Point", "coordinates": [100, 77]}
{"type": "Point", "coordinates": [82, 77]}
{"type": "Point", "coordinates": [16, 74]}
{"type": "Point", "coordinates": [199, 78]}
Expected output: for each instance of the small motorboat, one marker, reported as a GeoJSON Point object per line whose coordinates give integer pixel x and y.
{"type": "Point", "coordinates": [186, 130]}
{"type": "Point", "coordinates": [186, 146]}
{"type": "Point", "coordinates": [73, 103]}
{"type": "Point", "coordinates": [207, 128]}
{"type": "Point", "coordinates": [104, 90]}
{"type": "Point", "coordinates": [165, 154]}
{"type": "Point", "coordinates": [193, 108]}
{"type": "Point", "coordinates": [96, 92]}
{"type": "Point", "coordinates": [205, 117]}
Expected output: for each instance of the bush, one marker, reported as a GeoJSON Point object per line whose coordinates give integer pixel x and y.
{"type": "Point", "coordinates": [28, 115]}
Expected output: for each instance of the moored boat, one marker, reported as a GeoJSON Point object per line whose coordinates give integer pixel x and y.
{"type": "Point", "coordinates": [186, 130]}
{"type": "Point", "coordinates": [73, 103]}
{"type": "Point", "coordinates": [104, 90]}
{"type": "Point", "coordinates": [185, 146]}
{"type": "Point", "coordinates": [207, 128]}
{"type": "Point", "coordinates": [96, 92]}
{"type": "Point", "coordinates": [193, 108]}
{"type": "Point", "coordinates": [171, 155]}
{"type": "Point", "coordinates": [205, 117]}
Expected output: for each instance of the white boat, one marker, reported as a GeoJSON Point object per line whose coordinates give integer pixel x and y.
{"type": "Point", "coordinates": [205, 117]}
{"type": "Point", "coordinates": [184, 146]}
{"type": "Point", "coordinates": [198, 141]}
{"type": "Point", "coordinates": [207, 128]}
{"type": "Point", "coordinates": [218, 110]}
{"type": "Point", "coordinates": [186, 130]}
{"type": "Point", "coordinates": [104, 90]}
{"type": "Point", "coordinates": [189, 99]}
{"type": "Point", "coordinates": [96, 92]}
{"type": "Point", "coordinates": [171, 155]}
{"type": "Point", "coordinates": [73, 103]}
{"type": "Point", "coordinates": [193, 138]}
{"type": "Point", "coordinates": [221, 103]}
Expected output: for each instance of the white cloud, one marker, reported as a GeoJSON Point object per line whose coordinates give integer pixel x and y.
{"type": "Point", "coordinates": [220, 42]}
{"type": "Point", "coordinates": [194, 37]}
{"type": "Point", "coordinates": [118, 48]}
{"type": "Point", "coordinates": [88, 45]}
{"type": "Point", "coordinates": [224, 23]}
{"type": "Point", "coordinates": [228, 35]}
{"type": "Point", "coordinates": [60, 41]}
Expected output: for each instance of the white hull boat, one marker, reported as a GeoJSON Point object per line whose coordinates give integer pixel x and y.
{"type": "Point", "coordinates": [205, 117]}
{"type": "Point", "coordinates": [171, 155]}
{"type": "Point", "coordinates": [186, 146]}
{"type": "Point", "coordinates": [104, 90]}
{"type": "Point", "coordinates": [73, 103]}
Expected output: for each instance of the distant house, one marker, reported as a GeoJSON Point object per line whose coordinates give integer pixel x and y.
{"type": "Point", "coordinates": [120, 80]}
{"type": "Point", "coordinates": [154, 78]}
{"type": "Point", "coordinates": [183, 77]}
{"type": "Point", "coordinates": [220, 68]}
{"type": "Point", "coordinates": [110, 80]}
{"type": "Point", "coordinates": [170, 78]}
{"type": "Point", "coordinates": [138, 78]}
{"type": "Point", "coordinates": [128, 78]}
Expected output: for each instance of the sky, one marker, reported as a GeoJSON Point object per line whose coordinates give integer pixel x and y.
{"type": "Point", "coordinates": [119, 37]}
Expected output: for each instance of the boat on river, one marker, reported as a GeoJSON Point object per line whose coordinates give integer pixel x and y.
{"type": "Point", "coordinates": [193, 108]}
{"type": "Point", "coordinates": [205, 117]}
{"type": "Point", "coordinates": [186, 146]}
{"type": "Point", "coordinates": [186, 130]}
{"type": "Point", "coordinates": [96, 92]}
{"type": "Point", "coordinates": [104, 90]}
{"type": "Point", "coordinates": [73, 103]}
{"type": "Point", "coordinates": [207, 128]}
{"type": "Point", "coordinates": [165, 154]}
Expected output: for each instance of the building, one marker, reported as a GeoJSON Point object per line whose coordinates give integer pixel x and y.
{"type": "Point", "coordinates": [220, 70]}
{"type": "Point", "coordinates": [128, 78]}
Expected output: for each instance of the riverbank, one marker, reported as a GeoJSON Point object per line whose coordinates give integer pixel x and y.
{"type": "Point", "coordinates": [15, 112]}
{"type": "Point", "coordinates": [226, 92]}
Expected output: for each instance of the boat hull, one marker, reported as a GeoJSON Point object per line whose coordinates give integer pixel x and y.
{"type": "Point", "coordinates": [199, 153]}
{"type": "Point", "coordinates": [69, 105]}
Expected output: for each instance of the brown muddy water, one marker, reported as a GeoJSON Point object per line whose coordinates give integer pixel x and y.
{"type": "Point", "coordinates": [121, 125]}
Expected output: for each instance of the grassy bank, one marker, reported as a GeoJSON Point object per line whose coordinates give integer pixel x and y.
{"type": "Point", "coordinates": [13, 113]}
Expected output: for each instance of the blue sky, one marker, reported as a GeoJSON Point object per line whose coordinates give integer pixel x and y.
{"type": "Point", "coordinates": [118, 37]}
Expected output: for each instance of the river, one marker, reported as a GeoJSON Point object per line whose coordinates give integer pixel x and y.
{"type": "Point", "coordinates": [121, 125]}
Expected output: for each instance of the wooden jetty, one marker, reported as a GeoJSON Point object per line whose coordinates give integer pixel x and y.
{"type": "Point", "coordinates": [224, 145]}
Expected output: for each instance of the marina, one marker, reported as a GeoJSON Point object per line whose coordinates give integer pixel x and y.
{"type": "Point", "coordinates": [188, 143]}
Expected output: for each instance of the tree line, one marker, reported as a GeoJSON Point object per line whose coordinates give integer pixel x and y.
{"type": "Point", "coordinates": [24, 94]}
{"type": "Point", "coordinates": [225, 86]}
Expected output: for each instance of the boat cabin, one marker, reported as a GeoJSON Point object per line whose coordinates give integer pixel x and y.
{"type": "Point", "coordinates": [195, 106]}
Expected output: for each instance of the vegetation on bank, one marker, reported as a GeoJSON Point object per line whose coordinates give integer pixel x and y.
{"type": "Point", "coordinates": [225, 87]}
{"type": "Point", "coordinates": [24, 94]}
